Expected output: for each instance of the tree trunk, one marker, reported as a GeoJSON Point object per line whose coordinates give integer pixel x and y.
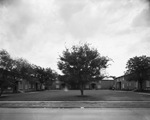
{"type": "Point", "coordinates": [15, 90]}
{"type": "Point", "coordinates": [41, 86]}
{"type": "Point", "coordinates": [82, 90]}
{"type": "Point", "coordinates": [140, 85]}
{"type": "Point", "coordinates": [1, 92]}
{"type": "Point", "coordinates": [15, 87]}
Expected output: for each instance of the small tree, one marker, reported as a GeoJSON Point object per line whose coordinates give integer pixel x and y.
{"type": "Point", "coordinates": [49, 77]}
{"type": "Point", "coordinates": [137, 69]}
{"type": "Point", "coordinates": [23, 70]}
{"type": "Point", "coordinates": [45, 76]}
{"type": "Point", "coordinates": [40, 74]}
{"type": "Point", "coordinates": [82, 64]}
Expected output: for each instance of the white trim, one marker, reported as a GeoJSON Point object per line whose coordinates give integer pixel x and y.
{"type": "Point", "coordinates": [144, 93]}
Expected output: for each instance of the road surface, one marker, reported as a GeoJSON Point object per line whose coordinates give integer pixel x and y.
{"type": "Point", "coordinates": [75, 114]}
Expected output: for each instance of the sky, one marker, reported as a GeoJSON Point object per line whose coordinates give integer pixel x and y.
{"type": "Point", "coordinates": [39, 30]}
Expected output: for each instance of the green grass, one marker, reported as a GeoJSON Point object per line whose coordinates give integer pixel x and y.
{"type": "Point", "coordinates": [74, 95]}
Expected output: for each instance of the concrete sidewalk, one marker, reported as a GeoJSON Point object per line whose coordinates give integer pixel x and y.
{"type": "Point", "coordinates": [74, 104]}
{"type": "Point", "coordinates": [75, 114]}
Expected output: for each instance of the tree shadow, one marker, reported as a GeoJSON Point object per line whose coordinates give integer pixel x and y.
{"type": "Point", "coordinates": [83, 96]}
{"type": "Point", "coordinates": [4, 96]}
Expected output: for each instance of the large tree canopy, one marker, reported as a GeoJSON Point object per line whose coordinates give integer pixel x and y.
{"type": "Point", "coordinates": [12, 70]}
{"type": "Point", "coordinates": [81, 64]}
{"type": "Point", "coordinates": [5, 60]}
{"type": "Point", "coordinates": [6, 65]}
{"type": "Point", "coordinates": [137, 68]}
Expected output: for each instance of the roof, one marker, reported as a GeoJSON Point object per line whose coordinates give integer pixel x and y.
{"type": "Point", "coordinates": [108, 78]}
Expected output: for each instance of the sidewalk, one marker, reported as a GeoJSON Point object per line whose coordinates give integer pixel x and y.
{"type": "Point", "coordinates": [75, 114]}
{"type": "Point", "coordinates": [74, 104]}
{"type": "Point", "coordinates": [142, 93]}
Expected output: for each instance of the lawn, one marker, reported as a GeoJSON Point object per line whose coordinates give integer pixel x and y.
{"type": "Point", "coordinates": [74, 95]}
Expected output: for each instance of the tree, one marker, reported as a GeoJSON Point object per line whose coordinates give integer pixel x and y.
{"type": "Point", "coordinates": [11, 70]}
{"type": "Point", "coordinates": [23, 70]}
{"type": "Point", "coordinates": [6, 65]}
{"type": "Point", "coordinates": [23, 67]}
{"type": "Point", "coordinates": [40, 75]}
{"type": "Point", "coordinates": [49, 77]}
{"type": "Point", "coordinates": [137, 69]}
{"type": "Point", "coordinates": [15, 75]}
{"type": "Point", "coordinates": [45, 76]}
{"type": "Point", "coordinates": [82, 64]}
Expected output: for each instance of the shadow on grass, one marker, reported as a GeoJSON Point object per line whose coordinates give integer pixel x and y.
{"type": "Point", "coordinates": [4, 96]}
{"type": "Point", "coordinates": [83, 96]}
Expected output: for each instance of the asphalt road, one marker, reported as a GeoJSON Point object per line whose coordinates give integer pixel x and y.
{"type": "Point", "coordinates": [75, 114]}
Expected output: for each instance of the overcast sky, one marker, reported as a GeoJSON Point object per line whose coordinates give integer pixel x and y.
{"type": "Point", "coordinates": [39, 30]}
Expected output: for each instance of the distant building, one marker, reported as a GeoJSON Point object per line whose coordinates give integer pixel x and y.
{"type": "Point", "coordinates": [23, 85]}
{"type": "Point", "coordinates": [27, 86]}
{"type": "Point", "coordinates": [121, 83]}
{"type": "Point", "coordinates": [106, 83]}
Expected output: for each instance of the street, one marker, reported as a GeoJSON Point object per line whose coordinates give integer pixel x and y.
{"type": "Point", "coordinates": [75, 114]}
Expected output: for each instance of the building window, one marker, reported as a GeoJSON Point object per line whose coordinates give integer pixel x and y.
{"type": "Point", "coordinates": [9, 88]}
{"type": "Point", "coordinates": [99, 86]}
{"type": "Point", "coordinates": [147, 83]}
{"type": "Point", "coordinates": [123, 86]}
{"type": "Point", "coordinates": [26, 86]}
{"type": "Point", "coordinates": [29, 85]}
{"type": "Point", "coordinates": [87, 86]}
{"type": "Point", "coordinates": [57, 81]}
{"type": "Point", "coordinates": [136, 84]}
{"type": "Point", "coordinates": [57, 86]}
{"type": "Point", "coordinates": [20, 85]}
{"type": "Point", "coordinates": [33, 86]}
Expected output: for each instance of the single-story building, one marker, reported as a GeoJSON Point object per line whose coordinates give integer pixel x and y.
{"type": "Point", "coordinates": [106, 83]}
{"type": "Point", "coordinates": [121, 83]}
{"type": "Point", "coordinates": [23, 85]}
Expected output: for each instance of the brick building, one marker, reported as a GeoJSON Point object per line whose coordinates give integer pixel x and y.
{"type": "Point", "coordinates": [121, 83]}
{"type": "Point", "coordinates": [106, 83]}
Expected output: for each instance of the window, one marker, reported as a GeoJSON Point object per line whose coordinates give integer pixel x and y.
{"type": "Point", "coordinates": [57, 81]}
{"type": "Point", "coordinates": [99, 86]}
{"type": "Point", "coordinates": [29, 85]}
{"type": "Point", "coordinates": [57, 86]}
{"type": "Point", "coordinates": [9, 88]}
{"type": "Point", "coordinates": [136, 85]}
{"type": "Point", "coordinates": [122, 85]}
{"type": "Point", "coordinates": [26, 86]}
{"type": "Point", "coordinates": [33, 86]}
{"type": "Point", "coordinates": [20, 85]}
{"type": "Point", "coordinates": [147, 83]}
{"type": "Point", "coordinates": [87, 86]}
